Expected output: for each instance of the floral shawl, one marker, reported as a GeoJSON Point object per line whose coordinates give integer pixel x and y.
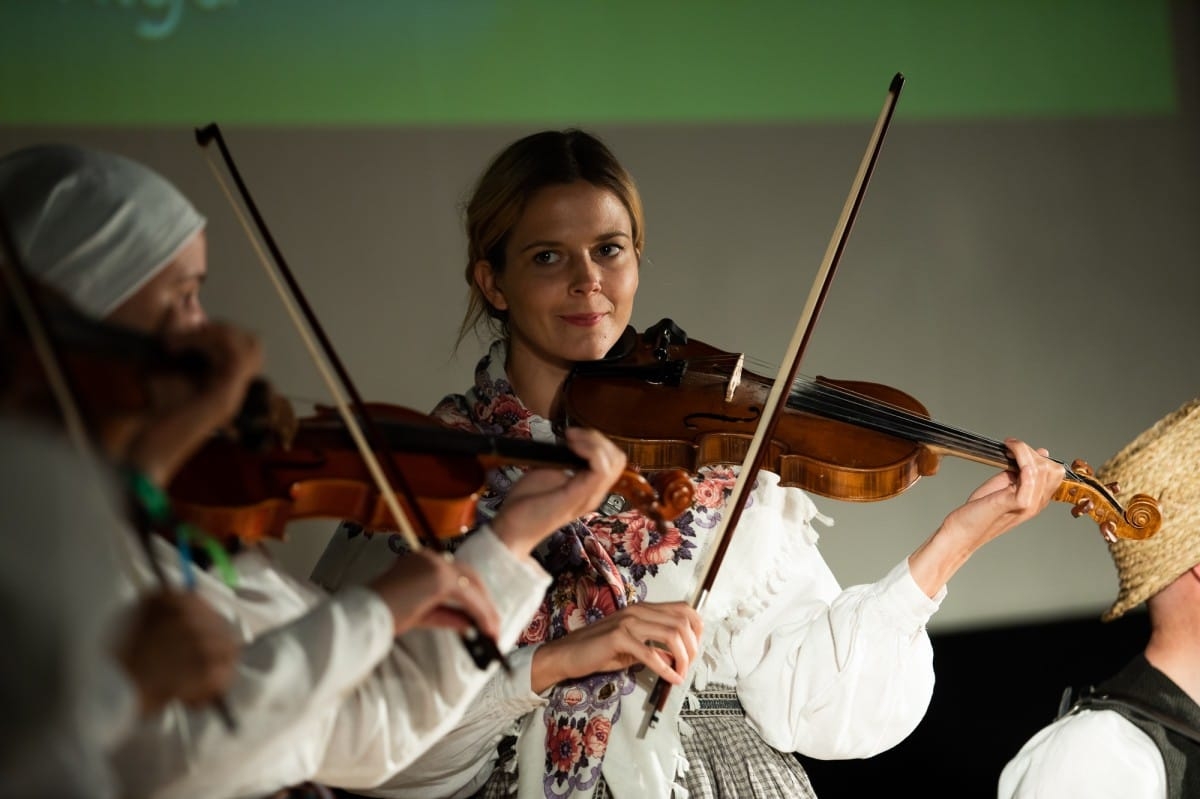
{"type": "Point", "coordinates": [599, 563]}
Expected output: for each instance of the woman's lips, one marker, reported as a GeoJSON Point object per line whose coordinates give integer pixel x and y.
{"type": "Point", "coordinates": [583, 319]}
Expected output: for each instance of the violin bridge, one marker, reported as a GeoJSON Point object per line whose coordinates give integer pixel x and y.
{"type": "Point", "coordinates": [735, 378]}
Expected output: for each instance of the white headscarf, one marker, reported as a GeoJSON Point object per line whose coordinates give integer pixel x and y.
{"type": "Point", "coordinates": [91, 224]}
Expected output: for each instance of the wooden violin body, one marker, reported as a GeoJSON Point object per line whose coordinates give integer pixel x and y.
{"type": "Point", "coordinates": [671, 402]}
{"type": "Point", "coordinates": [231, 491]}
{"type": "Point", "coordinates": [117, 371]}
{"type": "Point", "coordinates": [831, 458]}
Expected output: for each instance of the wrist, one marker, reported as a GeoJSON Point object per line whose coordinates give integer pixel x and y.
{"type": "Point", "coordinates": [391, 593]}
{"type": "Point", "coordinates": [160, 451]}
{"type": "Point", "coordinates": [938, 559]}
{"type": "Point", "coordinates": [513, 536]}
{"type": "Point", "coordinates": [544, 669]}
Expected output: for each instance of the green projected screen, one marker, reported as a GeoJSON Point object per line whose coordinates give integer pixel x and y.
{"type": "Point", "coordinates": [471, 62]}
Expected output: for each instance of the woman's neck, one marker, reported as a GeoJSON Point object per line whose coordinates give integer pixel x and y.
{"type": "Point", "coordinates": [537, 381]}
{"type": "Point", "coordinates": [1175, 633]}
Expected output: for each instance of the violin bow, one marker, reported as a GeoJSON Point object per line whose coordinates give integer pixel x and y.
{"type": "Point", "coordinates": [37, 324]}
{"type": "Point", "coordinates": [776, 399]}
{"type": "Point", "coordinates": [65, 392]}
{"type": "Point", "coordinates": [366, 436]}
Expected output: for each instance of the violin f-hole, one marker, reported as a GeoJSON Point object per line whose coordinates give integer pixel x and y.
{"type": "Point", "coordinates": [753, 414]}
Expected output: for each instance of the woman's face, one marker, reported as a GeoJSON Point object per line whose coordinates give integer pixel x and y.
{"type": "Point", "coordinates": [570, 276]}
{"type": "Point", "coordinates": [169, 302]}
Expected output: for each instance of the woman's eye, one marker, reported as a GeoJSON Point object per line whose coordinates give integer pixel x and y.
{"type": "Point", "coordinates": [610, 250]}
{"type": "Point", "coordinates": [546, 257]}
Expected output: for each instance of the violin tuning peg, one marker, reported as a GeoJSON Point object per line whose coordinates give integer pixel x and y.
{"type": "Point", "coordinates": [1082, 468]}
{"type": "Point", "coordinates": [1109, 531]}
{"type": "Point", "coordinates": [1114, 488]}
{"type": "Point", "coordinates": [613, 505]}
{"type": "Point", "coordinates": [1082, 507]}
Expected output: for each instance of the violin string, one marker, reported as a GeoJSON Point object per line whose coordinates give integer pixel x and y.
{"type": "Point", "coordinates": [904, 422]}
{"type": "Point", "coordinates": [817, 397]}
{"type": "Point", "coordinates": [888, 415]}
{"type": "Point", "coordinates": [853, 407]}
{"type": "Point", "coordinates": [42, 344]}
{"type": "Point", "coordinates": [405, 527]}
{"type": "Point", "coordinates": [753, 457]}
{"type": "Point", "coordinates": [14, 275]}
{"type": "Point", "coordinates": [481, 647]}
{"type": "Point", "coordinates": [892, 419]}
{"type": "Point", "coordinates": [66, 395]}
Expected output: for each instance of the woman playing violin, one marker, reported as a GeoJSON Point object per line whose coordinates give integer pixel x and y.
{"type": "Point", "coordinates": [784, 661]}
{"type": "Point", "coordinates": [84, 667]}
{"type": "Point", "coordinates": [324, 689]}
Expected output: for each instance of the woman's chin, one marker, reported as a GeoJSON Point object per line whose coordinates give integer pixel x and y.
{"type": "Point", "coordinates": [574, 345]}
{"type": "Point", "coordinates": [593, 348]}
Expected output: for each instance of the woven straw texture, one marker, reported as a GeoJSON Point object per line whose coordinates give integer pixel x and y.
{"type": "Point", "coordinates": [1163, 462]}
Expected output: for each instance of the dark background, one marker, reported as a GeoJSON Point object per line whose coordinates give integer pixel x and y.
{"type": "Point", "coordinates": [995, 689]}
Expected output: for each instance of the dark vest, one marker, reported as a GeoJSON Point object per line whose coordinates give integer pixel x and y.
{"type": "Point", "coordinates": [1158, 707]}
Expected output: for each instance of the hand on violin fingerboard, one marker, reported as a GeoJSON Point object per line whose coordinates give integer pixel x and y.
{"type": "Point", "coordinates": [188, 414]}
{"type": "Point", "coordinates": [1001, 503]}
{"type": "Point", "coordinates": [544, 500]}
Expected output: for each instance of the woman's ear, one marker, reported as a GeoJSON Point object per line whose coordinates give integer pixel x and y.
{"type": "Point", "coordinates": [487, 281]}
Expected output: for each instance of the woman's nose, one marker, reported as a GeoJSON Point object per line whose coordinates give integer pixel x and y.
{"type": "Point", "coordinates": [586, 274]}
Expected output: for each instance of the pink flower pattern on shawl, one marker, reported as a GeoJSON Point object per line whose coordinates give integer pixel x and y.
{"type": "Point", "coordinates": [599, 564]}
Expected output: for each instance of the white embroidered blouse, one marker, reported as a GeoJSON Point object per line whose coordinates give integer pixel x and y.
{"type": "Point", "coordinates": [323, 692]}
{"type": "Point", "coordinates": [827, 672]}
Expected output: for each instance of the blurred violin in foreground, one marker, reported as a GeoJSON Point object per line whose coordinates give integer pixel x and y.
{"type": "Point", "coordinates": [315, 471]}
{"type": "Point", "coordinates": [115, 370]}
{"type": "Point", "coordinates": [268, 468]}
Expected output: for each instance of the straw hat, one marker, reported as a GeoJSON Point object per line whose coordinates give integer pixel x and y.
{"type": "Point", "coordinates": [1163, 462]}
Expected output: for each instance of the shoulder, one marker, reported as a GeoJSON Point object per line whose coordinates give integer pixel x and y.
{"type": "Point", "coordinates": [47, 485]}
{"type": "Point", "coordinates": [31, 449]}
{"type": "Point", "coordinates": [1089, 753]}
{"type": "Point", "coordinates": [455, 411]}
{"type": "Point", "coordinates": [776, 518]}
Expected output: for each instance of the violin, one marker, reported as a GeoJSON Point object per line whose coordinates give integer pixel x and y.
{"type": "Point", "coordinates": [117, 362]}
{"type": "Point", "coordinates": [674, 402]}
{"type": "Point", "coordinates": [232, 491]}
{"type": "Point", "coordinates": [48, 349]}
{"type": "Point", "coordinates": [847, 440]}
{"type": "Point", "coordinates": [115, 367]}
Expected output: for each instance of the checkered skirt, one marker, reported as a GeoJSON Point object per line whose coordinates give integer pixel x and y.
{"type": "Point", "coordinates": [727, 759]}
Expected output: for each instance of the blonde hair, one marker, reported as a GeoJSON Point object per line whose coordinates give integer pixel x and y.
{"type": "Point", "coordinates": [521, 170]}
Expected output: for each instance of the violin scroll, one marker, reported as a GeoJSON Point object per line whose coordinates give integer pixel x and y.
{"type": "Point", "coordinates": [666, 496]}
{"type": "Point", "coordinates": [1140, 517]}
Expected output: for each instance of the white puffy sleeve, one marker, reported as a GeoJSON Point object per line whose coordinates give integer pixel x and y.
{"type": "Point", "coordinates": [467, 743]}
{"type": "Point", "coordinates": [826, 672]}
{"type": "Point", "coordinates": [459, 764]}
{"type": "Point", "coordinates": [285, 679]}
{"type": "Point", "coordinates": [430, 674]}
{"type": "Point", "coordinates": [328, 696]}
{"type": "Point", "coordinates": [1094, 753]}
